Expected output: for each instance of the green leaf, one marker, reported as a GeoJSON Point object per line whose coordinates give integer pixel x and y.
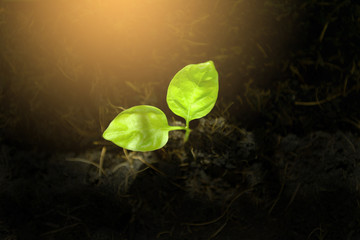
{"type": "Point", "coordinates": [193, 91]}
{"type": "Point", "coordinates": [140, 128]}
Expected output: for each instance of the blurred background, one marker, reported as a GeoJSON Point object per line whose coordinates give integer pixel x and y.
{"type": "Point", "coordinates": [68, 67]}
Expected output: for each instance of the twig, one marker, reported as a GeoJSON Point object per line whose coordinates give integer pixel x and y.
{"type": "Point", "coordinates": [224, 213]}
{"type": "Point", "coordinates": [101, 163]}
{"type": "Point", "coordinates": [60, 229]}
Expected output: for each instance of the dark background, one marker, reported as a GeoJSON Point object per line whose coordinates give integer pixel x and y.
{"type": "Point", "coordinates": [289, 74]}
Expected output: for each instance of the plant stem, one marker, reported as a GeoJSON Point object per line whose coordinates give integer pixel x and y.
{"type": "Point", "coordinates": [187, 133]}
{"type": "Point", "coordinates": [172, 128]}
{"type": "Point", "coordinates": [186, 128]}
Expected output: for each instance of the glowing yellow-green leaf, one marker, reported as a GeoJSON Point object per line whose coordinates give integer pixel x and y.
{"type": "Point", "coordinates": [140, 128]}
{"type": "Point", "coordinates": [193, 91]}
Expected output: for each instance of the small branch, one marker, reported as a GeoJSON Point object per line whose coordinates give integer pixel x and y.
{"type": "Point", "coordinates": [101, 163]}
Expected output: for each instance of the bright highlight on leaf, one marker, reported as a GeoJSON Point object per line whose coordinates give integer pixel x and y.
{"type": "Point", "coordinates": [140, 128]}
{"type": "Point", "coordinates": [192, 94]}
{"type": "Point", "coordinates": [193, 91]}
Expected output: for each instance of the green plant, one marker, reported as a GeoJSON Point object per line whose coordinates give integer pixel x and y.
{"type": "Point", "coordinates": [192, 94]}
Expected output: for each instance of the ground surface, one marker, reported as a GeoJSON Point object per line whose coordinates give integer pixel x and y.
{"type": "Point", "coordinates": [211, 188]}
{"type": "Point", "coordinates": [277, 158]}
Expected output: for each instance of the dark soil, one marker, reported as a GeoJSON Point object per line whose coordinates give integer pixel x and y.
{"type": "Point", "coordinates": [217, 186]}
{"type": "Point", "coordinates": [277, 158]}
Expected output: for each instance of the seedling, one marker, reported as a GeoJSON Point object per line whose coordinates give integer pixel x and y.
{"type": "Point", "coordinates": [191, 94]}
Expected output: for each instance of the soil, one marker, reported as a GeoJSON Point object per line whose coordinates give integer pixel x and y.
{"type": "Point", "coordinates": [216, 186]}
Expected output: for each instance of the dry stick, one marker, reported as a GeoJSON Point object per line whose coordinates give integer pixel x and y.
{"type": "Point", "coordinates": [328, 99]}
{"type": "Point", "coordinates": [224, 213]}
{"type": "Point", "coordinates": [169, 232]}
{"type": "Point", "coordinates": [227, 108]}
{"type": "Point", "coordinates": [218, 231]}
{"type": "Point", "coordinates": [101, 163]}
{"type": "Point", "coordinates": [348, 140]}
{"type": "Point", "coordinates": [354, 122]}
{"type": "Point", "coordinates": [85, 161]}
{"type": "Point", "coordinates": [280, 192]}
{"type": "Point", "coordinates": [64, 73]}
{"type": "Point", "coordinates": [316, 229]}
{"type": "Point", "coordinates": [128, 157]}
{"type": "Point", "coordinates": [154, 168]}
{"type": "Point", "coordinates": [131, 166]}
{"type": "Point", "coordinates": [277, 198]}
{"type": "Point", "coordinates": [321, 37]}
{"type": "Point", "coordinates": [142, 170]}
{"type": "Point", "coordinates": [60, 229]}
{"type": "Point", "coordinates": [120, 165]}
{"type": "Point", "coordinates": [293, 196]}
